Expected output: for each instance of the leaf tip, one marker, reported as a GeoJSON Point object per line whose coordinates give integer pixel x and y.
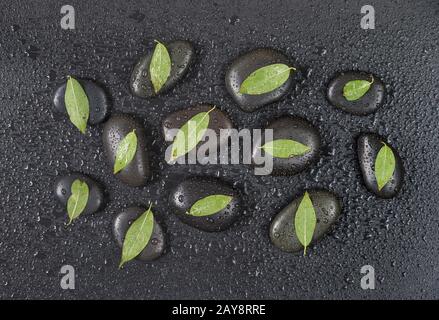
{"type": "Point", "coordinates": [173, 154]}
{"type": "Point", "coordinates": [117, 168]}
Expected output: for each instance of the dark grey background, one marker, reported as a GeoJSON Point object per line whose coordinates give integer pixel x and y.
{"type": "Point", "coordinates": [399, 237]}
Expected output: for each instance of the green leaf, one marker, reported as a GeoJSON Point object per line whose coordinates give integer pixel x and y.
{"type": "Point", "coordinates": [384, 166]}
{"type": "Point", "coordinates": [355, 89]}
{"type": "Point", "coordinates": [77, 200]}
{"type": "Point", "coordinates": [160, 66]}
{"type": "Point", "coordinates": [190, 134]}
{"type": "Point", "coordinates": [137, 236]}
{"type": "Point", "coordinates": [265, 79]}
{"type": "Point", "coordinates": [126, 151]}
{"type": "Point", "coordinates": [285, 148]}
{"type": "Point", "coordinates": [76, 102]}
{"type": "Point", "coordinates": [305, 221]}
{"type": "Point", "coordinates": [210, 205]}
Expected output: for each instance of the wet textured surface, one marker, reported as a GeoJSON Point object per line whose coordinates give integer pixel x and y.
{"type": "Point", "coordinates": [190, 191]}
{"type": "Point", "coordinates": [156, 245]}
{"type": "Point", "coordinates": [96, 192]}
{"type": "Point", "coordinates": [282, 231]}
{"type": "Point", "coordinates": [399, 237]}
{"type": "Point", "coordinates": [182, 55]}
{"type": "Point", "coordinates": [136, 172]}
{"type": "Point", "coordinates": [97, 99]}
{"type": "Point", "coordinates": [299, 130]}
{"type": "Point", "coordinates": [367, 104]}
{"type": "Point", "coordinates": [245, 65]}
{"type": "Point", "coordinates": [368, 146]}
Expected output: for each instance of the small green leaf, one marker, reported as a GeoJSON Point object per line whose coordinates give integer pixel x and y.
{"type": "Point", "coordinates": [126, 151]}
{"type": "Point", "coordinates": [77, 200]}
{"type": "Point", "coordinates": [76, 102]}
{"type": "Point", "coordinates": [210, 205]}
{"type": "Point", "coordinates": [266, 79]}
{"type": "Point", "coordinates": [305, 221]}
{"type": "Point", "coordinates": [285, 148]}
{"type": "Point", "coordinates": [137, 236]}
{"type": "Point", "coordinates": [160, 66]}
{"type": "Point", "coordinates": [355, 89]}
{"type": "Point", "coordinates": [384, 166]}
{"type": "Point", "coordinates": [190, 134]}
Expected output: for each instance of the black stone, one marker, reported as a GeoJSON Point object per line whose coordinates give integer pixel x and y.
{"type": "Point", "coordinates": [368, 146]}
{"type": "Point", "coordinates": [190, 191]}
{"type": "Point", "coordinates": [297, 129]}
{"type": "Point", "coordinates": [156, 244]}
{"type": "Point", "coordinates": [246, 64]}
{"type": "Point", "coordinates": [96, 196]}
{"type": "Point", "coordinates": [137, 172]}
{"type": "Point", "coordinates": [218, 120]}
{"type": "Point", "coordinates": [182, 55]}
{"type": "Point", "coordinates": [282, 230]}
{"type": "Point", "coordinates": [97, 98]}
{"type": "Point", "coordinates": [367, 104]}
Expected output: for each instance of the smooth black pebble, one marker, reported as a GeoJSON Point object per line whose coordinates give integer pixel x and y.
{"type": "Point", "coordinates": [190, 191]}
{"type": "Point", "coordinates": [137, 172]}
{"type": "Point", "coordinates": [182, 55]}
{"type": "Point", "coordinates": [96, 196]}
{"type": "Point", "coordinates": [246, 64]}
{"type": "Point", "coordinates": [368, 146]}
{"type": "Point", "coordinates": [295, 128]}
{"type": "Point", "coordinates": [156, 244]}
{"type": "Point", "coordinates": [97, 98]}
{"type": "Point", "coordinates": [218, 120]}
{"type": "Point", "coordinates": [367, 104]}
{"type": "Point", "coordinates": [282, 231]}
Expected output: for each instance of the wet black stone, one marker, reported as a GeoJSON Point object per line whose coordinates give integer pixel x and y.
{"type": "Point", "coordinates": [156, 245]}
{"type": "Point", "coordinates": [182, 55]}
{"type": "Point", "coordinates": [97, 98]}
{"type": "Point", "coordinates": [137, 172]}
{"type": "Point", "coordinates": [96, 196]}
{"type": "Point", "coordinates": [368, 146]}
{"type": "Point", "coordinates": [297, 129]}
{"type": "Point", "coordinates": [218, 120]}
{"type": "Point", "coordinates": [249, 62]}
{"type": "Point", "coordinates": [367, 104]}
{"type": "Point", "coordinates": [190, 191]}
{"type": "Point", "coordinates": [282, 230]}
